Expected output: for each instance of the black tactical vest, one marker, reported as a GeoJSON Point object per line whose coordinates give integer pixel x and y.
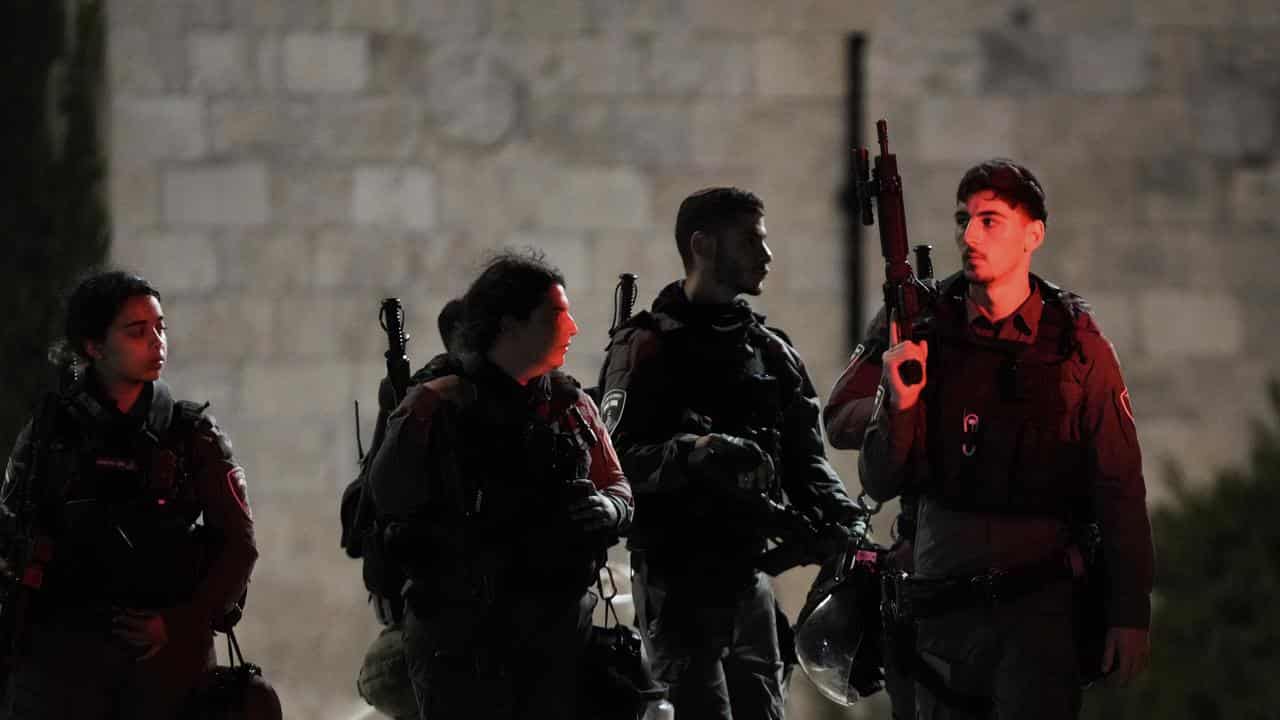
{"type": "Point", "coordinates": [732, 381]}
{"type": "Point", "coordinates": [1003, 417]}
{"type": "Point", "coordinates": [501, 508]}
{"type": "Point", "coordinates": [118, 501]}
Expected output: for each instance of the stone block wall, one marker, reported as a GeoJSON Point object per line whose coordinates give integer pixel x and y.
{"type": "Point", "coordinates": [279, 166]}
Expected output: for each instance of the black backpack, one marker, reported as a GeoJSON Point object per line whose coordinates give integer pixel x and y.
{"type": "Point", "coordinates": [363, 536]}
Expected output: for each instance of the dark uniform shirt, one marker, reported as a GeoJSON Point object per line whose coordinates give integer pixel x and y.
{"type": "Point", "coordinates": [955, 542]}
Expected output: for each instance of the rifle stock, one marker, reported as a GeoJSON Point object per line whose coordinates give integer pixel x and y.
{"type": "Point", "coordinates": [363, 534]}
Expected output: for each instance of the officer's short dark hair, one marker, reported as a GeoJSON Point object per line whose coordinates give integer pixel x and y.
{"type": "Point", "coordinates": [1010, 182]}
{"type": "Point", "coordinates": [96, 302]}
{"type": "Point", "coordinates": [513, 283]}
{"type": "Point", "coordinates": [712, 210]}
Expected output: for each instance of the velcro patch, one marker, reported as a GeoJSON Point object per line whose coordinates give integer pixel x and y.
{"type": "Point", "coordinates": [239, 488]}
{"type": "Point", "coordinates": [611, 407]}
{"type": "Point", "coordinates": [1127, 405]}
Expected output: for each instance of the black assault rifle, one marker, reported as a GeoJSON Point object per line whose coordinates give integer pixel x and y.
{"type": "Point", "coordinates": [391, 318]}
{"type": "Point", "coordinates": [799, 539]}
{"type": "Point", "coordinates": [361, 531]}
{"type": "Point", "coordinates": [906, 294]}
{"type": "Point", "coordinates": [624, 301]}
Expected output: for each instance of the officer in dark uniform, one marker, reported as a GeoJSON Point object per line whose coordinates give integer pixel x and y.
{"type": "Point", "coordinates": [503, 491]}
{"type": "Point", "coordinates": [142, 513]}
{"type": "Point", "coordinates": [1020, 433]}
{"type": "Point", "coordinates": [710, 409]}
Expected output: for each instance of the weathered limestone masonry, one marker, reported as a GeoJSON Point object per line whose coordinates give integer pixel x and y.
{"type": "Point", "coordinates": [278, 166]}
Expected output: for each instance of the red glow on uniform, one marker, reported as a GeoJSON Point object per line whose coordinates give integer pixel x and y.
{"type": "Point", "coordinates": [161, 501]}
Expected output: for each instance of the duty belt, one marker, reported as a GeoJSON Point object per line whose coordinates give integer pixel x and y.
{"type": "Point", "coordinates": [910, 598]}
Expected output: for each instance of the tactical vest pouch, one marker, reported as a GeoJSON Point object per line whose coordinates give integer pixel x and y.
{"type": "Point", "coordinates": [383, 576]}
{"type": "Point", "coordinates": [1000, 429]}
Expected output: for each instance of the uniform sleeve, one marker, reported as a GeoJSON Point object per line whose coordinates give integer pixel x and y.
{"type": "Point", "coordinates": [808, 477]}
{"type": "Point", "coordinates": [848, 409]}
{"type": "Point", "coordinates": [15, 470]}
{"type": "Point", "coordinates": [885, 463]}
{"type": "Point", "coordinates": [222, 491]}
{"type": "Point", "coordinates": [1118, 489]}
{"type": "Point", "coordinates": [18, 466]}
{"type": "Point", "coordinates": [606, 470]}
{"type": "Point", "coordinates": [398, 473]}
{"type": "Point", "coordinates": [646, 433]}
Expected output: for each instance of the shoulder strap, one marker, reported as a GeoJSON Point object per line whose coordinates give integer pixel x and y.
{"type": "Point", "coordinates": [622, 335]}
{"type": "Point", "coordinates": [655, 322]}
{"type": "Point", "coordinates": [565, 391]}
{"type": "Point", "coordinates": [187, 414]}
{"type": "Point", "coordinates": [781, 335]}
{"type": "Point", "coordinates": [1063, 311]}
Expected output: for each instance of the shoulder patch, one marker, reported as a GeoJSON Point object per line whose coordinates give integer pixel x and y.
{"type": "Point", "coordinates": [239, 488]}
{"type": "Point", "coordinates": [611, 407]}
{"type": "Point", "coordinates": [1126, 405]}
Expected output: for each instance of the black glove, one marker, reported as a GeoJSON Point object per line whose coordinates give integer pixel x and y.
{"type": "Point", "coordinates": [738, 460]}
{"type": "Point", "coordinates": [591, 509]}
{"type": "Point", "coordinates": [843, 515]}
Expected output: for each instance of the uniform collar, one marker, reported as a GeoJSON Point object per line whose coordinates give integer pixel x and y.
{"type": "Point", "coordinates": [1020, 326]}
{"type": "Point", "coordinates": [675, 304]}
{"type": "Point", "coordinates": [152, 410]}
{"type": "Point", "coordinates": [502, 387]}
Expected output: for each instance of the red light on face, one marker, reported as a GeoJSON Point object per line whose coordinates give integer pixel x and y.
{"type": "Point", "coordinates": [161, 501]}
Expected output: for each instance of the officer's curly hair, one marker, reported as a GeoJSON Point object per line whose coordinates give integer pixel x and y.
{"type": "Point", "coordinates": [94, 305]}
{"type": "Point", "coordinates": [1010, 182]}
{"type": "Point", "coordinates": [447, 322]}
{"type": "Point", "coordinates": [512, 284]}
{"type": "Point", "coordinates": [711, 210]}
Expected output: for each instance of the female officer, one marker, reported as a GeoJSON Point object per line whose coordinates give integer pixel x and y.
{"type": "Point", "coordinates": [129, 530]}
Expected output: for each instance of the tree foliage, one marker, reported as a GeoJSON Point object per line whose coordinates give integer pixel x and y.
{"type": "Point", "coordinates": [1215, 624]}
{"type": "Point", "coordinates": [53, 217]}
